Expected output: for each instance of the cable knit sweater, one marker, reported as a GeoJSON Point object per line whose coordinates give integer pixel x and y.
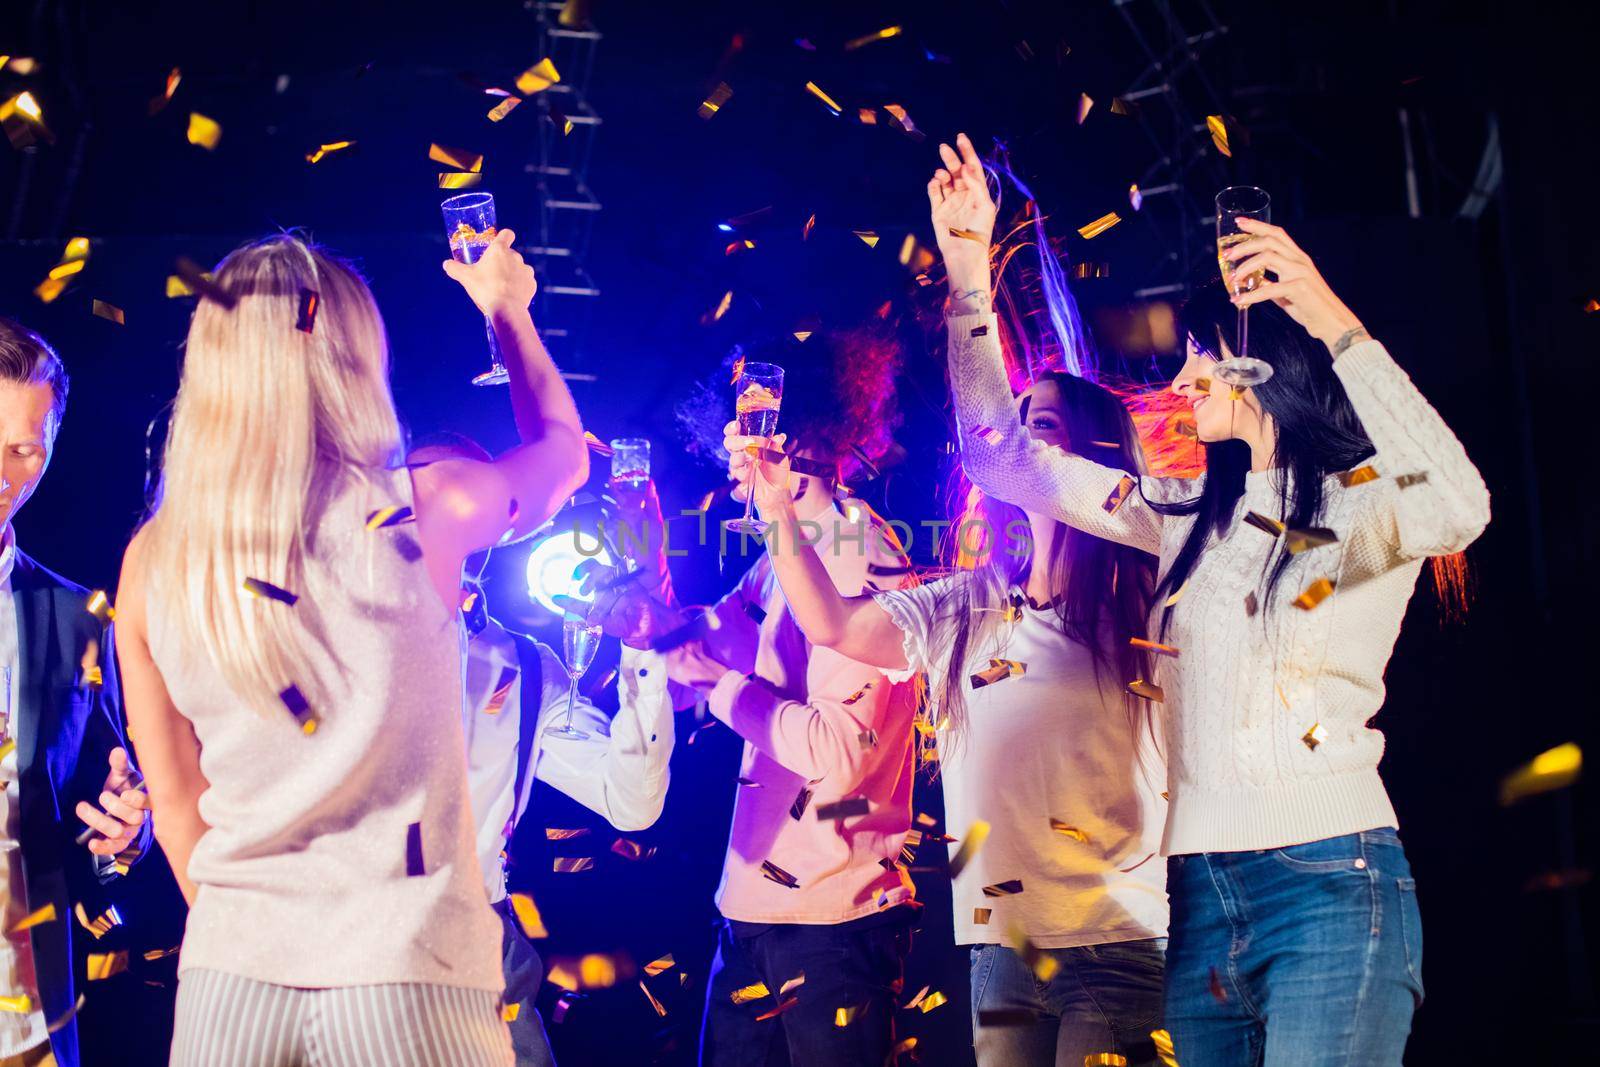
{"type": "Point", "coordinates": [1267, 712]}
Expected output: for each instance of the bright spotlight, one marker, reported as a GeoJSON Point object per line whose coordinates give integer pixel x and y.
{"type": "Point", "coordinates": [552, 563]}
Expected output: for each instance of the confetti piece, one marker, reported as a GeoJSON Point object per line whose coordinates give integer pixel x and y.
{"type": "Point", "coordinates": [977, 834]}
{"type": "Point", "coordinates": [564, 1004]}
{"type": "Point", "coordinates": [1406, 481]}
{"type": "Point", "coordinates": [749, 783]}
{"type": "Point", "coordinates": [501, 692]}
{"type": "Point", "coordinates": [1591, 307]}
{"type": "Point", "coordinates": [538, 78]}
{"type": "Point", "coordinates": [869, 237]}
{"type": "Point", "coordinates": [528, 917]}
{"type": "Point", "coordinates": [46, 914]}
{"type": "Point", "coordinates": [1163, 1043]}
{"type": "Point", "coordinates": [1135, 197]}
{"type": "Point", "coordinates": [1141, 688]}
{"type": "Point", "coordinates": [1126, 108]}
{"type": "Point", "coordinates": [714, 101]}
{"type": "Point", "coordinates": [1119, 494]}
{"type": "Point", "coordinates": [1160, 650]}
{"type": "Point", "coordinates": [66, 1016]}
{"type": "Point", "coordinates": [1250, 605]}
{"type": "Point", "coordinates": [1085, 105]}
{"type": "Point", "coordinates": [1067, 830]}
{"type": "Point", "coordinates": [660, 966]}
{"type": "Point", "coordinates": [998, 670]}
{"type": "Point", "coordinates": [204, 131]}
{"type": "Point", "coordinates": [1550, 770]}
{"type": "Point", "coordinates": [631, 850]}
{"type": "Point", "coordinates": [1314, 736]}
{"type": "Point", "coordinates": [980, 916]}
{"type": "Point", "coordinates": [200, 282]}
{"type": "Point", "coordinates": [100, 607]}
{"type": "Point", "coordinates": [553, 834]}
{"type": "Point", "coordinates": [459, 181]}
{"type": "Point", "coordinates": [1315, 593]}
{"type": "Point", "coordinates": [772, 872]}
{"type": "Point", "coordinates": [509, 1012]}
{"type": "Point", "coordinates": [23, 121]}
{"type": "Point", "coordinates": [746, 994]}
{"type": "Point", "coordinates": [108, 311]}
{"type": "Point", "coordinates": [49, 289]}
{"type": "Point", "coordinates": [843, 809]}
{"type": "Point", "coordinates": [1219, 134]}
{"type": "Point", "coordinates": [758, 615]}
{"type": "Point", "coordinates": [21, 1004]}
{"type": "Point", "coordinates": [1271, 527]}
{"type": "Point", "coordinates": [720, 310]}
{"type": "Point", "coordinates": [572, 864]}
{"type": "Point", "coordinates": [661, 1009]}
{"type": "Point", "coordinates": [1006, 1017]}
{"type": "Point", "coordinates": [1003, 889]}
{"type": "Point", "coordinates": [592, 971]}
{"type": "Point", "coordinates": [867, 738]}
{"type": "Point", "coordinates": [23, 65]}
{"type": "Point", "coordinates": [298, 706]}
{"type": "Point", "coordinates": [394, 515]}
{"type": "Point", "coordinates": [325, 150]}
{"type": "Point", "coordinates": [857, 695]}
{"type": "Point", "coordinates": [968, 235]}
{"type": "Point", "coordinates": [503, 108]}
{"type": "Point", "coordinates": [805, 231]}
{"type": "Point", "coordinates": [844, 1016]}
{"type": "Point", "coordinates": [415, 867]}
{"type": "Point", "coordinates": [870, 38]}
{"type": "Point", "coordinates": [458, 158]}
{"type": "Point", "coordinates": [828, 101]}
{"type": "Point", "coordinates": [798, 808]}
{"type": "Point", "coordinates": [792, 984]}
{"type": "Point", "coordinates": [1099, 226]}
{"type": "Point", "coordinates": [988, 435]}
{"type": "Point", "coordinates": [1218, 993]}
{"type": "Point", "coordinates": [1105, 1059]}
{"type": "Point", "coordinates": [1358, 476]}
{"type": "Point", "coordinates": [101, 924]}
{"type": "Point", "coordinates": [102, 965]}
{"type": "Point", "coordinates": [1298, 541]}
{"type": "Point", "coordinates": [783, 1006]}
{"type": "Point", "coordinates": [267, 591]}
{"type": "Point", "coordinates": [1177, 595]}
{"type": "Point", "coordinates": [177, 288]}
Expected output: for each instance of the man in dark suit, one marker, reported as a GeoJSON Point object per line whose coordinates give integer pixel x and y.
{"type": "Point", "coordinates": [61, 743]}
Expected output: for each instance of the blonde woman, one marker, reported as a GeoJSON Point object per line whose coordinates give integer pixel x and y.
{"type": "Point", "coordinates": [286, 623]}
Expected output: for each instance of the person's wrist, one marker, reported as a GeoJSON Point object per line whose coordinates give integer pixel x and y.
{"type": "Point", "coordinates": [507, 313]}
{"type": "Point", "coordinates": [1344, 335]}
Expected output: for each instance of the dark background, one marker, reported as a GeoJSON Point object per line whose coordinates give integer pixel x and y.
{"type": "Point", "coordinates": [1485, 308]}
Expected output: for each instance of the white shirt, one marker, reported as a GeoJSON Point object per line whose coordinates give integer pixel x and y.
{"type": "Point", "coordinates": [19, 1031]}
{"type": "Point", "coordinates": [1053, 743]}
{"type": "Point", "coordinates": [619, 770]}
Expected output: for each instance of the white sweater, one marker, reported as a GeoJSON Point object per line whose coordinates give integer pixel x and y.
{"type": "Point", "coordinates": [1246, 690]}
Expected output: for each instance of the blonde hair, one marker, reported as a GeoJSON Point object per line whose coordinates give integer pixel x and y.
{"type": "Point", "coordinates": [269, 418]}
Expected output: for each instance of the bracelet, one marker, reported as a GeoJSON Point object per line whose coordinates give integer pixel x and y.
{"type": "Point", "coordinates": [1348, 338]}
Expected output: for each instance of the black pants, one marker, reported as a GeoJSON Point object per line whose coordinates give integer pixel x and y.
{"type": "Point", "coordinates": [857, 966]}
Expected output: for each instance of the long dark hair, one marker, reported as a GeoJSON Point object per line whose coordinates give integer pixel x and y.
{"type": "Point", "coordinates": [1318, 431]}
{"type": "Point", "coordinates": [1102, 589]}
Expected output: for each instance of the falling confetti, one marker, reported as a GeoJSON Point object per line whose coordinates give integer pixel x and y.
{"type": "Point", "coordinates": [1105, 1059]}
{"type": "Point", "coordinates": [857, 695]}
{"type": "Point", "coordinates": [528, 917]}
{"type": "Point", "coordinates": [772, 872]}
{"type": "Point", "coordinates": [714, 101]}
{"type": "Point", "coordinates": [1068, 830]}
{"type": "Point", "coordinates": [538, 78]}
{"type": "Point", "coordinates": [1550, 770]}
{"type": "Point", "coordinates": [870, 38]}
{"type": "Point", "coordinates": [773, 1013]}
{"type": "Point", "coordinates": [572, 864]}
{"type": "Point", "coordinates": [1406, 481]}
{"type": "Point", "coordinates": [1163, 1043]}
{"type": "Point", "coordinates": [1358, 476]}
{"type": "Point", "coordinates": [267, 591]}
{"type": "Point", "coordinates": [504, 108]}
{"type": "Point", "coordinates": [868, 237]}
{"type": "Point", "coordinates": [100, 607]}
{"type": "Point", "coordinates": [46, 914]}
{"type": "Point", "coordinates": [1314, 736]}
{"type": "Point", "coordinates": [980, 916]}
{"type": "Point", "coordinates": [660, 966]}
{"type": "Point", "coordinates": [552, 833]}
{"type": "Point", "coordinates": [1298, 541]}
{"type": "Point", "coordinates": [306, 315]}
{"type": "Point", "coordinates": [632, 850]}
{"type": "Point", "coordinates": [843, 809]}
{"type": "Point", "coordinates": [1135, 197]}
{"type": "Point", "coordinates": [1085, 105]}
{"type": "Point", "coordinates": [298, 706]}
{"type": "Point", "coordinates": [749, 993]}
{"type": "Point", "coordinates": [22, 1004]}
{"type": "Point", "coordinates": [1003, 889]}
{"type": "Point", "coordinates": [998, 670]}
{"type": "Point", "coordinates": [509, 1013]}
{"type": "Point", "coordinates": [108, 311]}
{"type": "Point", "coordinates": [415, 867]}
{"type": "Point", "coordinates": [1151, 646]}
{"type": "Point", "coordinates": [977, 834]}
{"type": "Point", "coordinates": [458, 158]}
{"type": "Point", "coordinates": [828, 101]}
{"type": "Point", "coordinates": [325, 150]}
{"type": "Point", "coordinates": [1119, 494]}
{"type": "Point", "coordinates": [204, 131]}
{"type": "Point", "coordinates": [1271, 527]}
{"type": "Point", "coordinates": [1099, 226]}
{"type": "Point", "coordinates": [1147, 691]}
{"type": "Point", "coordinates": [66, 1016]}
{"type": "Point", "coordinates": [593, 971]}
{"type": "Point", "coordinates": [968, 235]}
{"type": "Point", "coordinates": [715, 314]}
{"type": "Point", "coordinates": [393, 515]}
{"type": "Point", "coordinates": [102, 965]}
{"type": "Point", "coordinates": [1219, 134]}
{"type": "Point", "coordinates": [200, 282]}
{"type": "Point", "coordinates": [101, 924]}
{"type": "Point", "coordinates": [805, 231]}
{"type": "Point", "coordinates": [902, 119]}
{"type": "Point", "coordinates": [844, 1016]}
{"type": "Point", "coordinates": [1314, 594]}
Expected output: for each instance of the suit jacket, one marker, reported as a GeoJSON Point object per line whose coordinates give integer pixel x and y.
{"type": "Point", "coordinates": [65, 728]}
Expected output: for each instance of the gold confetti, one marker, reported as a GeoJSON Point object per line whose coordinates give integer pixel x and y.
{"type": "Point", "coordinates": [203, 131]}
{"type": "Point", "coordinates": [572, 864]}
{"type": "Point", "coordinates": [714, 101]}
{"type": "Point", "coordinates": [1151, 646]}
{"type": "Point", "coordinates": [1003, 889]}
{"type": "Point", "coordinates": [715, 314]}
{"type": "Point", "coordinates": [805, 231]}
{"type": "Point", "coordinates": [988, 435]}
{"type": "Point", "coordinates": [869, 237]}
{"type": "Point", "coordinates": [783, 1006]}
{"type": "Point", "coordinates": [1119, 494]}
{"type": "Point", "coordinates": [1550, 770]}
{"type": "Point", "coordinates": [21, 1004]}
{"type": "Point", "coordinates": [176, 287]}
{"type": "Point", "coordinates": [102, 924]}
{"type": "Point", "coordinates": [746, 994]}
{"type": "Point", "coordinates": [1406, 481]}
{"type": "Point", "coordinates": [866, 39]}
{"type": "Point", "coordinates": [108, 311]}
{"type": "Point", "coordinates": [843, 809]}
{"type": "Point", "coordinates": [977, 834]}
{"type": "Point", "coordinates": [631, 850]}
{"type": "Point", "coordinates": [1119, 106]}
{"type": "Point", "coordinates": [592, 971]}
{"type": "Point", "coordinates": [1315, 593]}
{"type": "Point", "coordinates": [660, 966]}
{"type": "Point", "coordinates": [1105, 1059]}
{"type": "Point", "coordinates": [998, 670]}
{"type": "Point", "coordinates": [393, 515]}
{"type": "Point", "coordinates": [267, 591]}
{"type": "Point", "coordinates": [980, 916]}
{"type": "Point", "coordinates": [504, 108]}
{"type": "Point", "coordinates": [844, 1016]}
{"type": "Point", "coordinates": [509, 1012]}
{"type": "Point", "coordinates": [857, 695]}
{"type": "Point", "coordinates": [102, 965]}
{"type": "Point", "coordinates": [100, 607]}
{"type": "Point", "coordinates": [1219, 134]}
{"type": "Point", "coordinates": [162, 99]}
{"type": "Point", "coordinates": [458, 158]}
{"type": "Point", "coordinates": [1271, 527]}
{"type": "Point", "coordinates": [867, 116]}
{"type": "Point", "coordinates": [46, 914]}
{"type": "Point", "coordinates": [49, 289]}
{"type": "Point", "coordinates": [1163, 1043]}
{"type": "Point", "coordinates": [933, 1000]}
{"type": "Point", "coordinates": [201, 282]}
{"type": "Point", "coordinates": [1177, 594]}
{"type": "Point", "coordinates": [538, 78]}
{"type": "Point", "coordinates": [326, 150]}
{"type": "Point", "coordinates": [23, 121]}
{"type": "Point", "coordinates": [968, 235]}
{"type": "Point", "coordinates": [1067, 830]}
{"type": "Point", "coordinates": [1146, 690]}
{"type": "Point", "coordinates": [828, 101]}
{"type": "Point", "coordinates": [66, 1016]}
{"type": "Point", "coordinates": [1099, 226]}
{"type": "Point", "coordinates": [904, 1046]}
{"type": "Point", "coordinates": [1298, 541]}
{"type": "Point", "coordinates": [1085, 105]}
{"type": "Point", "coordinates": [1314, 736]}
{"type": "Point", "coordinates": [1041, 962]}
{"type": "Point", "coordinates": [1358, 476]}
{"type": "Point", "coordinates": [528, 917]}
{"type": "Point", "coordinates": [772, 872]}
{"type": "Point", "coordinates": [1591, 307]}
{"type": "Point", "coordinates": [792, 984]}
{"type": "Point", "coordinates": [1135, 197]}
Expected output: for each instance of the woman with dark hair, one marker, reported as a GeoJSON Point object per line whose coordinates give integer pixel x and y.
{"type": "Point", "coordinates": [1285, 574]}
{"type": "Point", "coordinates": [1050, 754]}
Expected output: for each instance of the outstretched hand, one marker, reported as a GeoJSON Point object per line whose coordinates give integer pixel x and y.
{"type": "Point", "coordinates": [1299, 288]}
{"type": "Point", "coordinates": [500, 281]}
{"type": "Point", "coordinates": [963, 211]}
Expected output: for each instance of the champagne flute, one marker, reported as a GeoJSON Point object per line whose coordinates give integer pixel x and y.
{"type": "Point", "coordinates": [630, 462]}
{"type": "Point", "coordinates": [1234, 203]}
{"type": "Point", "coordinates": [758, 392]}
{"type": "Point", "coordinates": [580, 640]}
{"type": "Point", "coordinates": [469, 226]}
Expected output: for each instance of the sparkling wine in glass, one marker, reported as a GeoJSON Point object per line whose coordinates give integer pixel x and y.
{"type": "Point", "coordinates": [580, 640]}
{"type": "Point", "coordinates": [469, 226]}
{"type": "Point", "coordinates": [1234, 203]}
{"type": "Point", "coordinates": [630, 462]}
{"type": "Point", "coordinates": [758, 393]}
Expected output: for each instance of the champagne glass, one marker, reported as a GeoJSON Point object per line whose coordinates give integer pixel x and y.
{"type": "Point", "coordinates": [1234, 203]}
{"type": "Point", "coordinates": [469, 226]}
{"type": "Point", "coordinates": [580, 640]}
{"type": "Point", "coordinates": [630, 462]}
{"type": "Point", "coordinates": [758, 392]}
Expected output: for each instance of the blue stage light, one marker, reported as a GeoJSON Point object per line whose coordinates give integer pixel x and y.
{"type": "Point", "coordinates": [553, 561]}
{"type": "Point", "coordinates": [724, 227]}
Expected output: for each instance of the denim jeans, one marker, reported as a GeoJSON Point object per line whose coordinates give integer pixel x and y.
{"type": "Point", "coordinates": [524, 972]}
{"type": "Point", "coordinates": [857, 965]}
{"type": "Point", "coordinates": [1309, 955]}
{"type": "Point", "coordinates": [1104, 998]}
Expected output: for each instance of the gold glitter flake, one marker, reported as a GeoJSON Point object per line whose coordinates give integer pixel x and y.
{"type": "Point", "coordinates": [1314, 594]}
{"type": "Point", "coordinates": [977, 834]}
{"type": "Point", "coordinates": [1358, 476]}
{"type": "Point", "coordinates": [1067, 830]}
{"type": "Point", "coordinates": [714, 101]}
{"type": "Point", "coordinates": [1314, 736]}
{"type": "Point", "coordinates": [1119, 494]}
{"type": "Point", "coordinates": [1099, 226]}
{"type": "Point", "coordinates": [1146, 690]}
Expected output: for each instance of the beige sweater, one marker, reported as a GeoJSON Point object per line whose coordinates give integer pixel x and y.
{"type": "Point", "coordinates": [1266, 714]}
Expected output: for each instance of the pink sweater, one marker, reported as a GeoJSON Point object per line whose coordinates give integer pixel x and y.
{"type": "Point", "coordinates": [814, 723]}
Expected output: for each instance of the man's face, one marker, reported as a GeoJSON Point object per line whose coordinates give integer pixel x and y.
{"type": "Point", "coordinates": [26, 437]}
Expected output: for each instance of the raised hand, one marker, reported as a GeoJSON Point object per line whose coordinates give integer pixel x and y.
{"type": "Point", "coordinates": [1298, 289]}
{"type": "Point", "coordinates": [963, 211]}
{"type": "Point", "coordinates": [771, 482]}
{"type": "Point", "coordinates": [500, 281]}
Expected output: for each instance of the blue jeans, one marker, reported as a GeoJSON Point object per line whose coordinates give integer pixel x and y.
{"type": "Point", "coordinates": [1309, 955]}
{"type": "Point", "coordinates": [1105, 998]}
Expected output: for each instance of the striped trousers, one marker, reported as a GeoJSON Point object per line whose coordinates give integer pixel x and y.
{"type": "Point", "coordinates": [224, 1020]}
